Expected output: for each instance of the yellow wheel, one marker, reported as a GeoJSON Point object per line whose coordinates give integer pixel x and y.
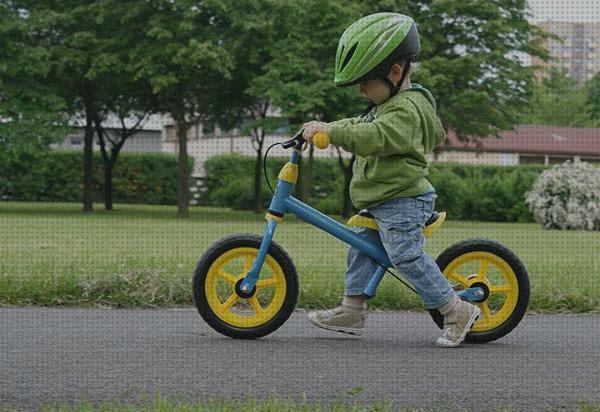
{"type": "Point", "coordinates": [229, 310]}
{"type": "Point", "coordinates": [503, 278]}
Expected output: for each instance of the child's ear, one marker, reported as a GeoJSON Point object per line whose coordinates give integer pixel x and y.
{"type": "Point", "coordinates": [396, 71]}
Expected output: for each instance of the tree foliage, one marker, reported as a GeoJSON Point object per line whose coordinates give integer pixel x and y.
{"type": "Point", "coordinates": [176, 47]}
{"type": "Point", "coordinates": [31, 114]}
{"type": "Point", "coordinates": [557, 100]}
{"type": "Point", "coordinates": [593, 98]}
{"type": "Point", "coordinates": [258, 63]}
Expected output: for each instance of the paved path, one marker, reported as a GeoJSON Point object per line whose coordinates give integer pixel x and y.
{"type": "Point", "coordinates": [50, 355]}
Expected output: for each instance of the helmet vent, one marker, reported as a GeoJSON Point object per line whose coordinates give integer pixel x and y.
{"type": "Point", "coordinates": [349, 56]}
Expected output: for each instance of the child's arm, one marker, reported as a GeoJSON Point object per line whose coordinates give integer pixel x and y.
{"type": "Point", "coordinates": [392, 132]}
{"type": "Point", "coordinates": [346, 122]}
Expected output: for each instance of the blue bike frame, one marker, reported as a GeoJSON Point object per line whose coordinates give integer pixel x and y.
{"type": "Point", "coordinates": [283, 202]}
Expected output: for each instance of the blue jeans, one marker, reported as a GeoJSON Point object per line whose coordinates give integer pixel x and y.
{"type": "Point", "coordinates": [401, 223]}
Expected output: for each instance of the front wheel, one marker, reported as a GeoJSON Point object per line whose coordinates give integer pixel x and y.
{"type": "Point", "coordinates": [230, 311]}
{"type": "Point", "coordinates": [502, 276]}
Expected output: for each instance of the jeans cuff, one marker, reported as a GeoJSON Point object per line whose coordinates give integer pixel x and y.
{"type": "Point", "coordinates": [354, 292]}
{"type": "Point", "coordinates": [447, 297]}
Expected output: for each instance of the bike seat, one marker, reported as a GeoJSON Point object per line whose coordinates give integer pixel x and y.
{"type": "Point", "coordinates": [366, 219]}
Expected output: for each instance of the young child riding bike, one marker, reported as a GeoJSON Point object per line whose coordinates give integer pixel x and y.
{"type": "Point", "coordinates": [389, 181]}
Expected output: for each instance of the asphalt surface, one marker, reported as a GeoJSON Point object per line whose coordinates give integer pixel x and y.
{"type": "Point", "coordinates": [60, 355]}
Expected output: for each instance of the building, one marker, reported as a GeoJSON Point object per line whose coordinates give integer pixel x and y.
{"type": "Point", "coordinates": [579, 52]}
{"type": "Point", "coordinates": [526, 144]}
{"type": "Point", "coordinates": [148, 139]}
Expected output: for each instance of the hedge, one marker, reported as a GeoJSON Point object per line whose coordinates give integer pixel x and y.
{"type": "Point", "coordinates": [466, 192]}
{"type": "Point", "coordinates": [149, 178]}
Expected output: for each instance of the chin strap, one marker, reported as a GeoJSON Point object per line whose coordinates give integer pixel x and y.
{"type": "Point", "coordinates": [368, 109]}
{"type": "Point", "coordinates": [395, 88]}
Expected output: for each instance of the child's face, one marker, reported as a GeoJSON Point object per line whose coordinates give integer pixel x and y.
{"type": "Point", "coordinates": [375, 90]}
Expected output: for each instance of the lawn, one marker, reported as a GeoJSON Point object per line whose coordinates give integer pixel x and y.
{"type": "Point", "coordinates": [142, 256]}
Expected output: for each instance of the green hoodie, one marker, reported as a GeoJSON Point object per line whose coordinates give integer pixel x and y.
{"type": "Point", "coordinates": [390, 143]}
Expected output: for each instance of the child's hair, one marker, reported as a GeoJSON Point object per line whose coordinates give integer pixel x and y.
{"type": "Point", "coordinates": [414, 66]}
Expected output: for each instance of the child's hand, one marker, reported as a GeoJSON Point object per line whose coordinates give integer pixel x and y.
{"type": "Point", "coordinates": [312, 127]}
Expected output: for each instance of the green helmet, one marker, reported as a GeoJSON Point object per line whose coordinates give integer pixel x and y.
{"type": "Point", "coordinates": [368, 48]}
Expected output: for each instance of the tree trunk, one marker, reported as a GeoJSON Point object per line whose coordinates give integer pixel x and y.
{"type": "Point", "coordinates": [108, 186]}
{"type": "Point", "coordinates": [257, 183]}
{"type": "Point", "coordinates": [88, 152]}
{"type": "Point", "coordinates": [108, 165]}
{"type": "Point", "coordinates": [258, 175]}
{"type": "Point", "coordinates": [183, 184]}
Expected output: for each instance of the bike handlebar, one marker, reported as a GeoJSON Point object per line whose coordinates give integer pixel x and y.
{"type": "Point", "coordinates": [320, 140]}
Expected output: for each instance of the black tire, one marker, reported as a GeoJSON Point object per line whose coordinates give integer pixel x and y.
{"type": "Point", "coordinates": [236, 241]}
{"type": "Point", "coordinates": [485, 245]}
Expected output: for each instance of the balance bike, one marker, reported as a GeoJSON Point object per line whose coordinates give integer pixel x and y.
{"type": "Point", "coordinates": [246, 285]}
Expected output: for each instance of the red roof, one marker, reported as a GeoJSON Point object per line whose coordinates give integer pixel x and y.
{"type": "Point", "coordinates": [550, 140]}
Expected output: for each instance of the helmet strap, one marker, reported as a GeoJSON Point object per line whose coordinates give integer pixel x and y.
{"type": "Point", "coordinates": [368, 109]}
{"type": "Point", "coordinates": [395, 88]}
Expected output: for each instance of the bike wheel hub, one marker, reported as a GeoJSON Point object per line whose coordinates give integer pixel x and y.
{"type": "Point", "coordinates": [241, 293]}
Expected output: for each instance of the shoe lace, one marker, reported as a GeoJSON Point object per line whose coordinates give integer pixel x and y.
{"type": "Point", "coordinates": [448, 328]}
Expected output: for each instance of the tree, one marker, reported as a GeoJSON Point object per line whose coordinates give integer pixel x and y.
{"type": "Point", "coordinates": [176, 47]}
{"type": "Point", "coordinates": [77, 63]}
{"type": "Point", "coordinates": [120, 96]}
{"type": "Point", "coordinates": [558, 101]}
{"type": "Point", "coordinates": [251, 26]}
{"type": "Point", "coordinates": [298, 77]}
{"type": "Point", "coordinates": [30, 111]}
{"type": "Point", "coordinates": [593, 98]}
{"type": "Point", "coordinates": [116, 139]}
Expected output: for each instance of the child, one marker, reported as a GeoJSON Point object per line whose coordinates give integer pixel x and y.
{"type": "Point", "coordinates": [389, 175]}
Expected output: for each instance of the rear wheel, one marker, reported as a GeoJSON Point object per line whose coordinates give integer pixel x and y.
{"type": "Point", "coordinates": [499, 272]}
{"type": "Point", "coordinates": [229, 310]}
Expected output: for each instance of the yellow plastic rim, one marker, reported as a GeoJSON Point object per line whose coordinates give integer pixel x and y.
{"type": "Point", "coordinates": [509, 288]}
{"type": "Point", "coordinates": [236, 311]}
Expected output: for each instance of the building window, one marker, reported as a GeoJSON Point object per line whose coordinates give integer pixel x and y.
{"type": "Point", "coordinates": [528, 159]}
{"type": "Point", "coordinates": [170, 134]}
{"type": "Point", "coordinates": [76, 141]}
{"type": "Point", "coordinates": [508, 159]}
{"type": "Point", "coordinates": [558, 160]}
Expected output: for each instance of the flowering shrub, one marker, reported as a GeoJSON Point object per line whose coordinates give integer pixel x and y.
{"type": "Point", "coordinates": [567, 196]}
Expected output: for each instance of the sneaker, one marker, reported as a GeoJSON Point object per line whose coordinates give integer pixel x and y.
{"type": "Point", "coordinates": [458, 320]}
{"type": "Point", "coordinates": [344, 319]}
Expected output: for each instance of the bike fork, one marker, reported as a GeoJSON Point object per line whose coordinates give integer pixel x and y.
{"type": "Point", "coordinates": [252, 276]}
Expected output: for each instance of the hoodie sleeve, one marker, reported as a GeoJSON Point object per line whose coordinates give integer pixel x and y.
{"type": "Point", "coordinates": [392, 132]}
{"type": "Point", "coordinates": [346, 122]}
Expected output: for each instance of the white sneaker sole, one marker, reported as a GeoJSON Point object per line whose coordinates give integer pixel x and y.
{"type": "Point", "coordinates": [445, 343]}
{"type": "Point", "coordinates": [340, 329]}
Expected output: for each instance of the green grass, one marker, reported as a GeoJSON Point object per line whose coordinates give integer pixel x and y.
{"type": "Point", "coordinates": [271, 404]}
{"type": "Point", "coordinates": [142, 256]}
{"type": "Point", "coordinates": [278, 404]}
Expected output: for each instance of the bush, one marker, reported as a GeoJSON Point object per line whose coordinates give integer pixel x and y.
{"type": "Point", "coordinates": [229, 182]}
{"type": "Point", "coordinates": [149, 178]}
{"type": "Point", "coordinates": [567, 197]}
{"type": "Point", "coordinates": [466, 192]}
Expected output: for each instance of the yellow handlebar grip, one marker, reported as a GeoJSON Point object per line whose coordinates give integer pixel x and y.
{"type": "Point", "coordinates": [321, 140]}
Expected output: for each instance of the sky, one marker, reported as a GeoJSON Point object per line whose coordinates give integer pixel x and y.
{"type": "Point", "coordinates": [565, 10]}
